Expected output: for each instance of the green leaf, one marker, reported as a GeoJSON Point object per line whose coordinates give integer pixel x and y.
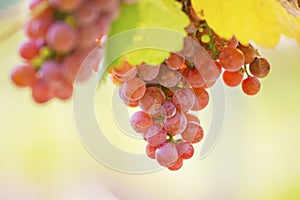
{"type": "Point", "coordinates": [146, 31]}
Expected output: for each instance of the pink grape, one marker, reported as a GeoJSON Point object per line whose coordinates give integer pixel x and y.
{"type": "Point", "coordinates": [184, 99]}
{"type": "Point", "coordinates": [134, 89]}
{"type": "Point", "coordinates": [166, 154]}
{"type": "Point", "coordinates": [87, 14]}
{"type": "Point", "coordinates": [177, 165]}
{"type": "Point", "coordinates": [125, 72]}
{"type": "Point", "coordinates": [168, 77]}
{"type": "Point", "coordinates": [176, 124]}
{"type": "Point", "coordinates": [231, 59]}
{"type": "Point", "coordinates": [41, 93]}
{"type": "Point", "coordinates": [66, 5]}
{"type": "Point", "coordinates": [201, 100]}
{"type": "Point", "coordinates": [193, 77]}
{"type": "Point", "coordinates": [192, 118]}
{"type": "Point", "coordinates": [90, 32]}
{"type": "Point", "coordinates": [37, 28]}
{"type": "Point", "coordinates": [193, 133]}
{"type": "Point", "coordinates": [251, 86]}
{"type": "Point", "coordinates": [28, 50]}
{"type": "Point", "coordinates": [24, 75]}
{"type": "Point", "coordinates": [127, 101]}
{"type": "Point", "coordinates": [65, 91]}
{"type": "Point", "coordinates": [62, 37]}
{"type": "Point", "coordinates": [185, 150]}
{"type": "Point", "coordinates": [175, 61]}
{"type": "Point", "coordinates": [169, 109]}
{"type": "Point", "coordinates": [150, 150]}
{"type": "Point", "coordinates": [152, 100]}
{"type": "Point", "coordinates": [140, 121]}
{"type": "Point", "coordinates": [148, 72]}
{"type": "Point", "coordinates": [156, 135]}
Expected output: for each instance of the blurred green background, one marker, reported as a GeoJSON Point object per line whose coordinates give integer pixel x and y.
{"type": "Point", "coordinates": [41, 156]}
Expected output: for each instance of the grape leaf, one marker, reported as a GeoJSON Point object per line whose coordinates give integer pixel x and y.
{"type": "Point", "coordinates": [146, 31]}
{"type": "Point", "coordinates": [261, 21]}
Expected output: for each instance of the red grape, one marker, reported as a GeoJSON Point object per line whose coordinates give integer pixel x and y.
{"type": "Point", "coordinates": [260, 67]}
{"type": "Point", "coordinates": [185, 150]}
{"type": "Point", "coordinates": [152, 100]}
{"type": "Point", "coordinates": [251, 86]}
{"type": "Point", "coordinates": [24, 75]}
{"type": "Point", "coordinates": [201, 100]}
{"type": "Point", "coordinates": [166, 154]}
{"type": "Point", "coordinates": [233, 79]}
{"type": "Point", "coordinates": [140, 121]}
{"type": "Point", "coordinates": [231, 59]}
{"type": "Point", "coordinates": [193, 133]}
{"type": "Point", "coordinates": [156, 135]}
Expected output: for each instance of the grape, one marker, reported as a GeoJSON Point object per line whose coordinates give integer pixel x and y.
{"type": "Point", "coordinates": [176, 124]}
{"type": "Point", "coordinates": [37, 28]}
{"type": "Point", "coordinates": [166, 154]}
{"type": "Point", "coordinates": [51, 75]}
{"type": "Point", "coordinates": [168, 77]}
{"type": "Point", "coordinates": [193, 77]}
{"type": "Point", "coordinates": [233, 42]}
{"type": "Point", "coordinates": [192, 118]}
{"type": "Point", "coordinates": [71, 65]}
{"type": "Point", "coordinates": [150, 150]}
{"type": "Point", "coordinates": [140, 121]}
{"type": "Point", "coordinates": [127, 101]}
{"type": "Point", "coordinates": [249, 53]}
{"type": "Point", "coordinates": [41, 94]}
{"type": "Point", "coordinates": [125, 72]}
{"type": "Point", "coordinates": [260, 67]}
{"type": "Point", "coordinates": [148, 72]}
{"type": "Point", "coordinates": [231, 59]}
{"type": "Point", "coordinates": [185, 150]}
{"type": "Point", "coordinates": [177, 165]}
{"type": "Point", "coordinates": [28, 50]}
{"type": "Point", "coordinates": [24, 75]}
{"type": "Point", "coordinates": [175, 61]}
{"type": "Point", "coordinates": [65, 91]}
{"type": "Point", "coordinates": [233, 79]}
{"type": "Point", "coordinates": [205, 66]}
{"type": "Point", "coordinates": [152, 100]}
{"type": "Point", "coordinates": [66, 5]}
{"type": "Point", "coordinates": [90, 32]}
{"type": "Point", "coordinates": [169, 109]}
{"type": "Point", "coordinates": [251, 86]}
{"type": "Point", "coordinates": [40, 9]}
{"type": "Point", "coordinates": [184, 99]}
{"type": "Point", "coordinates": [134, 89]}
{"type": "Point", "coordinates": [193, 133]}
{"type": "Point", "coordinates": [62, 37]}
{"type": "Point", "coordinates": [87, 14]}
{"type": "Point", "coordinates": [189, 47]}
{"type": "Point", "coordinates": [201, 100]}
{"type": "Point", "coordinates": [156, 135]}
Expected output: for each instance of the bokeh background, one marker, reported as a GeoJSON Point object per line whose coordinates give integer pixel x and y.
{"type": "Point", "coordinates": [257, 157]}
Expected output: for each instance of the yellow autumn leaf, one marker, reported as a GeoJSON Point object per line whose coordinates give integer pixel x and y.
{"type": "Point", "coordinates": [261, 21]}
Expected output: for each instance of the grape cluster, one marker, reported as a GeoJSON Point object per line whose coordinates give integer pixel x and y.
{"type": "Point", "coordinates": [60, 33]}
{"type": "Point", "coordinates": [235, 59]}
{"type": "Point", "coordinates": [165, 94]}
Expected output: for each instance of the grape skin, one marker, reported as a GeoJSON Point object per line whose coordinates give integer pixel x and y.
{"type": "Point", "coordinates": [260, 67]}
{"type": "Point", "coordinates": [166, 154]}
{"type": "Point", "coordinates": [231, 59]}
{"type": "Point", "coordinates": [140, 121]}
{"type": "Point", "coordinates": [233, 79]}
{"type": "Point", "coordinates": [251, 86]}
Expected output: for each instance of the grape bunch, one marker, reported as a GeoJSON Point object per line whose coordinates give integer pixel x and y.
{"type": "Point", "coordinates": [235, 59]}
{"type": "Point", "coordinates": [61, 33]}
{"type": "Point", "coordinates": [166, 93]}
